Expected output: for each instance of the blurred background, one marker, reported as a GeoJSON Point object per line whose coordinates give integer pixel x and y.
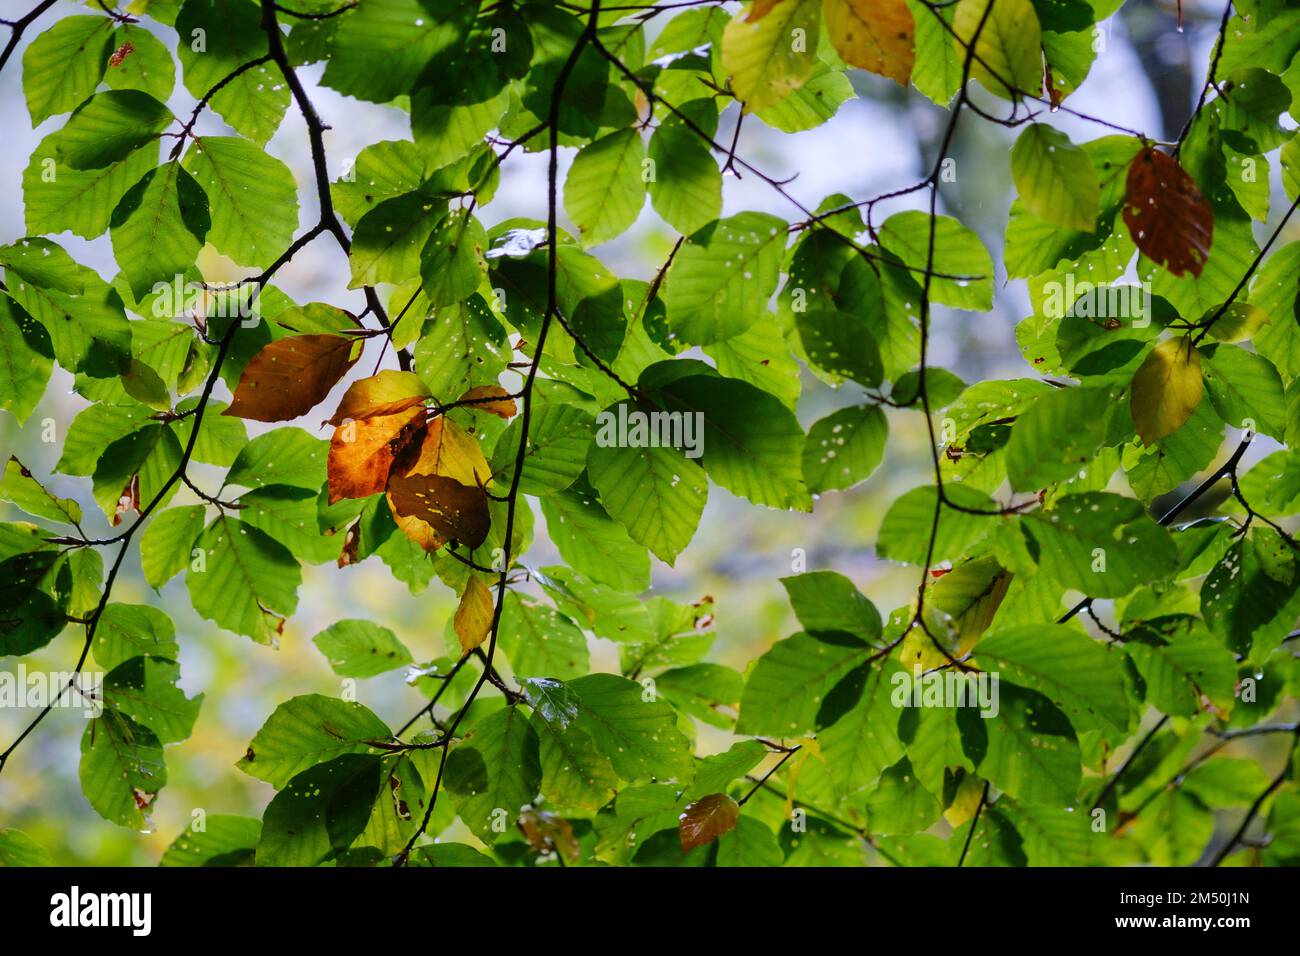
{"type": "Point", "coordinates": [1146, 78]}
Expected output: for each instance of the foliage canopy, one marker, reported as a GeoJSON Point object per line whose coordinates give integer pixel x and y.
{"type": "Point", "coordinates": [1131, 642]}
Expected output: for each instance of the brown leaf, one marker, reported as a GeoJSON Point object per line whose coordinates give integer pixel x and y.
{"type": "Point", "coordinates": [362, 453]}
{"type": "Point", "coordinates": [291, 376]}
{"type": "Point", "coordinates": [387, 393]}
{"type": "Point", "coordinates": [452, 511]}
{"type": "Point", "coordinates": [447, 450]}
{"type": "Point", "coordinates": [707, 819]}
{"type": "Point", "coordinates": [492, 399]}
{"type": "Point", "coordinates": [128, 500]}
{"type": "Point", "coordinates": [1168, 218]}
{"type": "Point", "coordinates": [759, 9]}
{"type": "Point", "coordinates": [546, 832]}
{"type": "Point", "coordinates": [473, 620]}
{"type": "Point", "coordinates": [121, 53]}
{"type": "Point", "coordinates": [876, 35]}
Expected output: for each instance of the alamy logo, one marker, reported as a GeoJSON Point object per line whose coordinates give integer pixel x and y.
{"type": "Point", "coordinates": [637, 429]}
{"type": "Point", "coordinates": [134, 910]}
{"type": "Point", "coordinates": [178, 298]}
{"type": "Point", "coordinates": [39, 689]}
{"type": "Point", "coordinates": [1098, 300]}
{"type": "Point", "coordinates": [946, 688]}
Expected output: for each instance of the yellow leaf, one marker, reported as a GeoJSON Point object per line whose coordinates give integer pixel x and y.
{"type": "Point", "coordinates": [1008, 45]}
{"type": "Point", "coordinates": [387, 393]}
{"type": "Point", "coordinates": [967, 798]}
{"type": "Point", "coordinates": [1166, 389]}
{"type": "Point", "coordinates": [492, 399]}
{"type": "Point", "coordinates": [876, 35]}
{"type": "Point", "coordinates": [473, 620]}
{"type": "Point", "coordinates": [1239, 321]}
{"type": "Point", "coordinates": [769, 59]}
{"type": "Point", "coordinates": [450, 451]}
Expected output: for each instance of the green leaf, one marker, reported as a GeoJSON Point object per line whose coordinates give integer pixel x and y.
{"type": "Point", "coordinates": [285, 456]}
{"type": "Point", "coordinates": [319, 812]}
{"type": "Point", "coordinates": [122, 769]}
{"type": "Point", "coordinates": [592, 542]}
{"type": "Point", "coordinates": [361, 648]}
{"type": "Point", "coordinates": [109, 126]}
{"type": "Point", "coordinates": [307, 731]}
{"type": "Point", "coordinates": [752, 444]}
{"type": "Point", "coordinates": [1057, 435]}
{"type": "Point", "coordinates": [839, 345]}
{"type": "Point", "coordinates": [704, 691]}
{"type": "Point", "coordinates": [637, 733]}
{"type": "Point", "coordinates": [722, 277]}
{"type": "Point", "coordinates": [1074, 671]}
{"type": "Point", "coordinates": [827, 601]}
{"type": "Point", "coordinates": [559, 437]}
{"type": "Point", "coordinates": [788, 685]}
{"type": "Point", "coordinates": [452, 263]}
{"type": "Point", "coordinates": [656, 493]}
{"type": "Point", "coordinates": [603, 190]}
{"type": "Point", "coordinates": [1028, 750]}
{"type": "Point", "coordinates": [140, 62]}
{"type": "Point", "coordinates": [1008, 49]}
{"type": "Point", "coordinates": [246, 582]}
{"type": "Point", "coordinates": [1056, 179]}
{"type": "Point", "coordinates": [18, 486]}
{"type": "Point", "coordinates": [129, 631]}
{"type": "Point", "coordinates": [1245, 387]}
{"type": "Point", "coordinates": [224, 840]}
{"type": "Point", "coordinates": [253, 197]}
{"type": "Point", "coordinates": [144, 689]}
{"type": "Point", "coordinates": [18, 849]}
{"type": "Point", "coordinates": [159, 227]}
{"type": "Point", "coordinates": [63, 65]}
{"type": "Point", "coordinates": [167, 543]}
{"type": "Point", "coordinates": [687, 186]}
{"type": "Point", "coordinates": [25, 360]}
{"type": "Point", "coordinates": [494, 772]}
{"type": "Point", "coordinates": [967, 281]}
{"type": "Point", "coordinates": [541, 642]}
{"type": "Point", "coordinates": [769, 58]}
{"type": "Point", "coordinates": [1101, 544]}
{"type": "Point", "coordinates": [1181, 664]}
{"type": "Point", "coordinates": [906, 529]}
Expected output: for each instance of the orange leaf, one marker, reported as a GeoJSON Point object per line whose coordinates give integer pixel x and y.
{"type": "Point", "coordinates": [387, 393]}
{"type": "Point", "coordinates": [760, 9]}
{"type": "Point", "coordinates": [291, 376]}
{"type": "Point", "coordinates": [473, 620]}
{"type": "Point", "coordinates": [452, 511]}
{"type": "Point", "coordinates": [707, 819]}
{"type": "Point", "coordinates": [876, 35]}
{"type": "Point", "coordinates": [362, 453]}
{"type": "Point", "coordinates": [546, 832]}
{"type": "Point", "coordinates": [450, 451]}
{"type": "Point", "coordinates": [1168, 218]}
{"type": "Point", "coordinates": [490, 398]}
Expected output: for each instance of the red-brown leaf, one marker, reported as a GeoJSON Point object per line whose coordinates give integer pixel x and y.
{"type": "Point", "coordinates": [454, 512]}
{"type": "Point", "coordinates": [1170, 221]}
{"type": "Point", "coordinates": [362, 453]}
{"type": "Point", "coordinates": [707, 819]}
{"type": "Point", "coordinates": [291, 376]}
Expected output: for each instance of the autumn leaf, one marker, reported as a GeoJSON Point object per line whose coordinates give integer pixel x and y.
{"type": "Point", "coordinates": [1170, 221]}
{"type": "Point", "coordinates": [492, 399]}
{"type": "Point", "coordinates": [760, 9]}
{"type": "Point", "coordinates": [291, 376]}
{"type": "Point", "coordinates": [1166, 389]}
{"type": "Point", "coordinates": [876, 35]}
{"type": "Point", "coordinates": [452, 511]}
{"type": "Point", "coordinates": [447, 450]}
{"type": "Point", "coordinates": [362, 452]}
{"type": "Point", "coordinates": [386, 393]}
{"type": "Point", "coordinates": [473, 620]}
{"type": "Point", "coordinates": [707, 819]}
